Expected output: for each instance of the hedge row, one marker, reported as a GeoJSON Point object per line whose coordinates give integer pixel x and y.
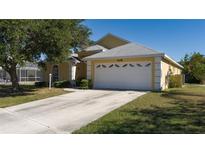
{"type": "Point", "coordinates": [41, 84]}
{"type": "Point", "coordinates": [57, 84]}
{"type": "Point", "coordinates": [62, 84]}
{"type": "Point", "coordinates": [83, 84]}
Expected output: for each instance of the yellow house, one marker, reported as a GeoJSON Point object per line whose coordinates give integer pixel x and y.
{"type": "Point", "coordinates": [67, 70]}
{"type": "Point", "coordinates": [129, 66]}
{"type": "Point", "coordinates": [115, 63]}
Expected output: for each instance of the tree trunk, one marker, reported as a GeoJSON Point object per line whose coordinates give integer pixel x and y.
{"type": "Point", "coordinates": [14, 79]}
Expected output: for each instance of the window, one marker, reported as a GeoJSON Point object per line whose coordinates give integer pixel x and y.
{"type": "Point", "coordinates": [103, 66]}
{"type": "Point", "coordinates": [139, 65]}
{"type": "Point", "coordinates": [147, 65]}
{"type": "Point", "coordinates": [117, 65]}
{"type": "Point", "coordinates": [55, 73]}
{"type": "Point", "coordinates": [98, 66]}
{"type": "Point", "coordinates": [124, 65]}
{"type": "Point", "coordinates": [30, 75]}
{"type": "Point", "coordinates": [131, 65]}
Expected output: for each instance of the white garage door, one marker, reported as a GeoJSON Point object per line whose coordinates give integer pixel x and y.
{"type": "Point", "coordinates": [129, 75]}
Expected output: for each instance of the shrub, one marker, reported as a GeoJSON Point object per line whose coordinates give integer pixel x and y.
{"type": "Point", "coordinates": [41, 84]}
{"type": "Point", "coordinates": [175, 81]}
{"type": "Point", "coordinates": [84, 84]}
{"type": "Point", "coordinates": [78, 83]}
{"type": "Point", "coordinates": [61, 84]}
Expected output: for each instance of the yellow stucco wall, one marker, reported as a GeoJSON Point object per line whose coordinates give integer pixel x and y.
{"type": "Point", "coordinates": [81, 68]}
{"type": "Point", "coordinates": [151, 59]}
{"type": "Point", "coordinates": [166, 65]}
{"type": "Point", "coordinates": [63, 69]}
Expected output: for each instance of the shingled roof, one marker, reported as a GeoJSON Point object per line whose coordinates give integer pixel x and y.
{"type": "Point", "coordinates": [95, 48]}
{"type": "Point", "coordinates": [127, 50]}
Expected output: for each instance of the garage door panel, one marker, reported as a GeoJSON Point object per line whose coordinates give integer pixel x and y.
{"type": "Point", "coordinates": [135, 75]}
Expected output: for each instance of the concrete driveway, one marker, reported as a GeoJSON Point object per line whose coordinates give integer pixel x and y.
{"type": "Point", "coordinates": [64, 113]}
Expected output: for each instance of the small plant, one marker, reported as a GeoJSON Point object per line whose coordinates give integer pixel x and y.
{"type": "Point", "coordinates": [84, 84]}
{"type": "Point", "coordinates": [40, 84]}
{"type": "Point", "coordinates": [61, 84]}
{"type": "Point", "coordinates": [175, 81]}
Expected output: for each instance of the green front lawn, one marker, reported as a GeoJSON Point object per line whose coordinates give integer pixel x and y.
{"type": "Point", "coordinates": [180, 110]}
{"type": "Point", "coordinates": [28, 93]}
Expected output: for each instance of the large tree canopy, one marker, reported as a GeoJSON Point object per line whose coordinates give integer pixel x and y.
{"type": "Point", "coordinates": [194, 67]}
{"type": "Point", "coordinates": [24, 41]}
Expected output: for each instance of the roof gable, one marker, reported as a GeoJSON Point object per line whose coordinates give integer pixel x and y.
{"type": "Point", "coordinates": [110, 41]}
{"type": "Point", "coordinates": [95, 48]}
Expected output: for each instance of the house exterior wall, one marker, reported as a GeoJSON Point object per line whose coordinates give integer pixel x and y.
{"type": "Point", "coordinates": [165, 67]}
{"type": "Point", "coordinates": [81, 70]}
{"type": "Point", "coordinates": [157, 73]}
{"type": "Point", "coordinates": [63, 68]}
{"type": "Point", "coordinates": [89, 70]}
{"type": "Point", "coordinates": [82, 66]}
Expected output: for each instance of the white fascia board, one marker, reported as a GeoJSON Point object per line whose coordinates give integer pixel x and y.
{"type": "Point", "coordinates": [133, 56]}
{"type": "Point", "coordinates": [173, 61]}
{"type": "Point", "coordinates": [25, 68]}
{"type": "Point", "coordinates": [29, 68]}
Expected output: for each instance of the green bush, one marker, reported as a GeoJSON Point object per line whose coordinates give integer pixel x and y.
{"type": "Point", "coordinates": [41, 84]}
{"type": "Point", "coordinates": [61, 84]}
{"type": "Point", "coordinates": [175, 81]}
{"type": "Point", "coordinates": [84, 84]}
{"type": "Point", "coordinates": [77, 82]}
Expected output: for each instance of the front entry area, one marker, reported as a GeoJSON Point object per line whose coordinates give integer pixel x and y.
{"type": "Point", "coordinates": [123, 75]}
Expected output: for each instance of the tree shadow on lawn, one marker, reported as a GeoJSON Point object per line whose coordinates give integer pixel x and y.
{"type": "Point", "coordinates": [176, 93]}
{"type": "Point", "coordinates": [184, 116]}
{"type": "Point", "coordinates": [6, 91]}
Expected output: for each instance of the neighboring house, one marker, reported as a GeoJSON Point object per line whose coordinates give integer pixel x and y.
{"type": "Point", "coordinates": [28, 73]}
{"type": "Point", "coordinates": [115, 63]}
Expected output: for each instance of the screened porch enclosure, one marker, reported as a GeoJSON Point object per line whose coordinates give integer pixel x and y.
{"type": "Point", "coordinates": [30, 73]}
